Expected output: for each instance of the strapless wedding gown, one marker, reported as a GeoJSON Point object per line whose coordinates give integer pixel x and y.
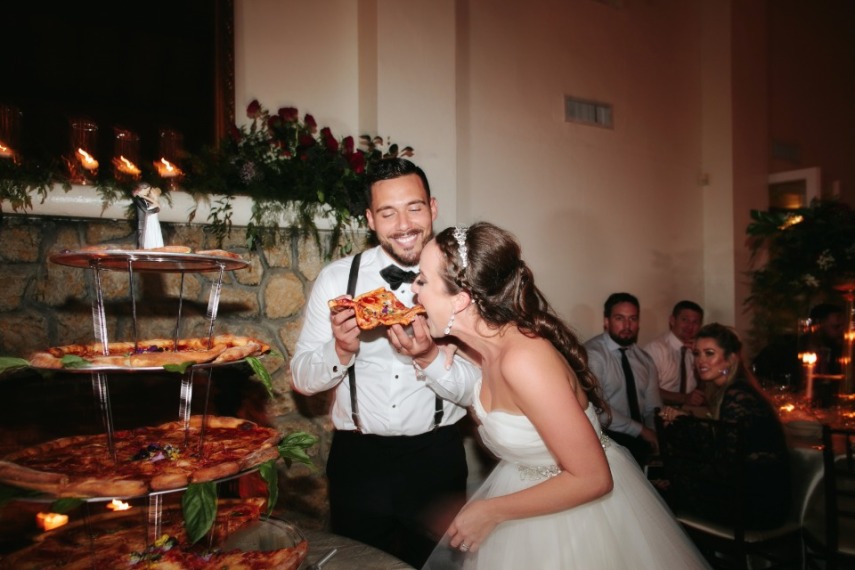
{"type": "Point", "coordinates": [630, 527]}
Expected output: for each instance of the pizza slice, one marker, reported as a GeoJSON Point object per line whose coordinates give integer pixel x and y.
{"type": "Point", "coordinates": [377, 307]}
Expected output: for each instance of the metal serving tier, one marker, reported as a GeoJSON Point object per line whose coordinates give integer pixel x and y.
{"type": "Point", "coordinates": [137, 369]}
{"type": "Point", "coordinates": [143, 260]}
{"type": "Point", "coordinates": [132, 262]}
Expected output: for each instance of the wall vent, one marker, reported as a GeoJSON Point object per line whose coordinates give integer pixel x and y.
{"type": "Point", "coordinates": [587, 112]}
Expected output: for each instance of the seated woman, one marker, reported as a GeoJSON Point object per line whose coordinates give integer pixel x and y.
{"type": "Point", "coordinates": [736, 399]}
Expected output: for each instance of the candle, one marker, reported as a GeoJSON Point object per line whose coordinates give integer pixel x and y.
{"type": "Point", "coordinates": [117, 505]}
{"type": "Point", "coordinates": [49, 521]}
{"type": "Point", "coordinates": [809, 359]}
{"type": "Point", "coordinates": [166, 169]}
{"type": "Point", "coordinates": [126, 166]}
{"type": "Point", "coordinates": [86, 160]}
{"type": "Point", "coordinates": [5, 151]}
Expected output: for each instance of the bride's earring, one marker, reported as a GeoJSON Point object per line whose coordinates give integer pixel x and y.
{"type": "Point", "coordinates": [447, 330]}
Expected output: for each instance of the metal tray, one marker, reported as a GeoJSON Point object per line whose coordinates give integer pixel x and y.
{"type": "Point", "coordinates": [141, 260]}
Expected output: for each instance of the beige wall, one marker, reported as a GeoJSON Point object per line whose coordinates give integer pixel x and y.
{"type": "Point", "coordinates": [477, 88]}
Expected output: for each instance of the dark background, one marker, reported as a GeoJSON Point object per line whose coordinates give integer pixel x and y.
{"type": "Point", "coordinates": [142, 66]}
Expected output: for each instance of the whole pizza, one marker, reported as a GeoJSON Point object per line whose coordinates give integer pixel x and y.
{"type": "Point", "coordinates": [376, 308]}
{"type": "Point", "coordinates": [151, 353]}
{"type": "Point", "coordinates": [118, 540]}
{"type": "Point", "coordinates": [155, 458]}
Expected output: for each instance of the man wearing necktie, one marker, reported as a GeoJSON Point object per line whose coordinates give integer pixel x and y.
{"type": "Point", "coordinates": [627, 377]}
{"type": "Point", "coordinates": [397, 461]}
{"type": "Point", "coordinates": [675, 362]}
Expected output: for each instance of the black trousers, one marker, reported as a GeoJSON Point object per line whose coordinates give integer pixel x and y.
{"type": "Point", "coordinates": [397, 493]}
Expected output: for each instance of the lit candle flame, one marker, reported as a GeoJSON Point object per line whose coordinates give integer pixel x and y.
{"type": "Point", "coordinates": [809, 358]}
{"type": "Point", "coordinates": [787, 407]}
{"type": "Point", "coordinates": [166, 169]}
{"type": "Point", "coordinates": [50, 521]}
{"type": "Point", "coordinates": [86, 160]}
{"type": "Point", "coordinates": [5, 151]}
{"type": "Point", "coordinates": [124, 165]}
{"type": "Point", "coordinates": [117, 505]}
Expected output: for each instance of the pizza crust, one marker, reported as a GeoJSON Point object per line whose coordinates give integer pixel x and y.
{"type": "Point", "coordinates": [153, 353]}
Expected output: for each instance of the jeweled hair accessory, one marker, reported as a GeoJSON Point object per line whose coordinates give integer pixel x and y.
{"type": "Point", "coordinates": [460, 236]}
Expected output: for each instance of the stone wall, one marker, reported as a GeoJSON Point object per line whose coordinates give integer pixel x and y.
{"type": "Point", "coordinates": [44, 304]}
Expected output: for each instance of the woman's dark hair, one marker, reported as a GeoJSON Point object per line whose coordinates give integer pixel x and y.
{"type": "Point", "coordinates": [724, 336]}
{"type": "Point", "coordinates": [390, 168]}
{"type": "Point", "coordinates": [502, 288]}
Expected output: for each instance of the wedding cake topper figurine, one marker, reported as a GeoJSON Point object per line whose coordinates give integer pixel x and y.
{"type": "Point", "coordinates": [147, 201]}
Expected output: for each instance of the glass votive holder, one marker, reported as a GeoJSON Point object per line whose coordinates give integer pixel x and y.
{"type": "Point", "coordinates": [168, 166]}
{"type": "Point", "coordinates": [10, 133]}
{"type": "Point", "coordinates": [126, 155]}
{"type": "Point", "coordinates": [81, 162]}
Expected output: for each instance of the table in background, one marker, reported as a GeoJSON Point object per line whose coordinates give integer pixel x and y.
{"type": "Point", "coordinates": [351, 554]}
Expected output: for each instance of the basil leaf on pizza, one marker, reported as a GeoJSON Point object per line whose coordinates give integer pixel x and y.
{"type": "Point", "coordinates": [293, 448]}
{"type": "Point", "coordinates": [199, 504]}
{"type": "Point", "coordinates": [270, 476]}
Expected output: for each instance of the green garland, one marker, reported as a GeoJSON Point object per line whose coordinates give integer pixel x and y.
{"type": "Point", "coordinates": [284, 163]}
{"type": "Point", "coordinates": [807, 254]}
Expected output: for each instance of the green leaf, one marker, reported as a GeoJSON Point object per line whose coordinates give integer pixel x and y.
{"type": "Point", "coordinates": [178, 368]}
{"type": "Point", "coordinates": [270, 475]}
{"type": "Point", "coordinates": [65, 505]}
{"type": "Point", "coordinates": [293, 447]}
{"type": "Point", "coordinates": [199, 504]}
{"type": "Point", "coordinates": [10, 493]}
{"type": "Point", "coordinates": [73, 361]}
{"type": "Point", "coordinates": [262, 373]}
{"type": "Point", "coordinates": [8, 363]}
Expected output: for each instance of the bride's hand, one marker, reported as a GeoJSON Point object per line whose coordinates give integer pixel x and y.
{"type": "Point", "coordinates": [471, 526]}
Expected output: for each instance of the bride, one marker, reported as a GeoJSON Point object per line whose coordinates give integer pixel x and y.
{"type": "Point", "coordinates": [562, 495]}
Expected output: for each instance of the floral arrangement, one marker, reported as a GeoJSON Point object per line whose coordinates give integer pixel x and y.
{"type": "Point", "coordinates": [284, 163]}
{"type": "Point", "coordinates": [807, 256]}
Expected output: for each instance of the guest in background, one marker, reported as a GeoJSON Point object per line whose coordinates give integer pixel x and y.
{"type": "Point", "coordinates": [780, 361]}
{"type": "Point", "coordinates": [627, 377]}
{"type": "Point", "coordinates": [563, 495]}
{"type": "Point", "coordinates": [738, 400]}
{"type": "Point", "coordinates": [672, 353]}
{"type": "Point", "coordinates": [401, 459]}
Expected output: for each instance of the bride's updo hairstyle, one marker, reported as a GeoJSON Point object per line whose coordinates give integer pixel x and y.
{"type": "Point", "coordinates": [486, 261]}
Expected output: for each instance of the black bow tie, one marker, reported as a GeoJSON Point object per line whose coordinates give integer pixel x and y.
{"type": "Point", "coordinates": [395, 276]}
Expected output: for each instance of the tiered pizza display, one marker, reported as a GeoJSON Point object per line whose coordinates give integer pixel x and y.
{"type": "Point", "coordinates": [185, 458]}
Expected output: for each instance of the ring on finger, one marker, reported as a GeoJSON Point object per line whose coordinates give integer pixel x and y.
{"type": "Point", "coordinates": [464, 547]}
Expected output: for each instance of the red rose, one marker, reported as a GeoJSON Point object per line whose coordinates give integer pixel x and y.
{"type": "Point", "coordinates": [288, 114]}
{"type": "Point", "coordinates": [329, 139]}
{"type": "Point", "coordinates": [253, 110]}
{"type": "Point", "coordinates": [347, 145]}
{"type": "Point", "coordinates": [305, 140]}
{"type": "Point", "coordinates": [274, 122]}
{"type": "Point", "coordinates": [310, 122]}
{"type": "Point", "coordinates": [357, 162]}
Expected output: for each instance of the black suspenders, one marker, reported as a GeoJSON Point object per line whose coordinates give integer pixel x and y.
{"type": "Point", "coordinates": [351, 371]}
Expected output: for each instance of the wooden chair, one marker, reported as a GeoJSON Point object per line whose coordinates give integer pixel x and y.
{"type": "Point", "coordinates": [830, 537]}
{"type": "Point", "coordinates": [693, 466]}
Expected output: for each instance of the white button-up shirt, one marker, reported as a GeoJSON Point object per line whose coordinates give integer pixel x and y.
{"type": "Point", "coordinates": [391, 399]}
{"type": "Point", "coordinates": [665, 351]}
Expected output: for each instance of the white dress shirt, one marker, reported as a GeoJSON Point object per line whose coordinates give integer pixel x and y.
{"type": "Point", "coordinates": [392, 400]}
{"type": "Point", "coordinates": [665, 352]}
{"type": "Point", "coordinates": [604, 360]}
